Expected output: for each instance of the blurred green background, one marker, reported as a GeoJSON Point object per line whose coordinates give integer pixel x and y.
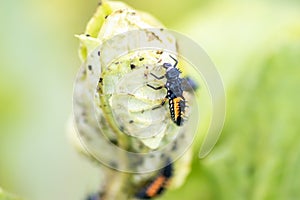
{"type": "Point", "coordinates": [254, 44]}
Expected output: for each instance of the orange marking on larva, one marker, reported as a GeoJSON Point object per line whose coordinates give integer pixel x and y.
{"type": "Point", "coordinates": [155, 186]}
{"type": "Point", "coordinates": [177, 107]}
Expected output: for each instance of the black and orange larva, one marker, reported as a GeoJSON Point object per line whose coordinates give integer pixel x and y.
{"type": "Point", "coordinates": [158, 185]}
{"type": "Point", "coordinates": [174, 92]}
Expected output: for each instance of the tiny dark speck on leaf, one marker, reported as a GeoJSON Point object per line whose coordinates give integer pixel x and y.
{"type": "Point", "coordinates": [141, 59]}
{"type": "Point", "coordinates": [174, 147]}
{"type": "Point", "coordinates": [131, 121]}
{"type": "Point", "coordinates": [98, 53]}
{"type": "Point", "coordinates": [132, 66]}
{"type": "Point", "coordinates": [87, 35]}
{"type": "Point", "coordinates": [90, 67]}
{"type": "Point", "coordinates": [106, 16]}
{"type": "Point", "coordinates": [159, 52]}
{"type": "Point", "coordinates": [100, 80]}
{"type": "Point", "coordinates": [114, 141]}
{"type": "Point", "coordinates": [114, 165]}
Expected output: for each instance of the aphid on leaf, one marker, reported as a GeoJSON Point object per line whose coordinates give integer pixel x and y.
{"type": "Point", "coordinates": [158, 185]}
{"type": "Point", "coordinates": [175, 88]}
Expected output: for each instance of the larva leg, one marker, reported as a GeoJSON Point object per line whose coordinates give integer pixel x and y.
{"type": "Point", "coordinates": [155, 88]}
{"type": "Point", "coordinates": [157, 77]}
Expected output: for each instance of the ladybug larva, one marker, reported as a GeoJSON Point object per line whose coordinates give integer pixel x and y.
{"type": "Point", "coordinates": [157, 185]}
{"type": "Point", "coordinates": [177, 102]}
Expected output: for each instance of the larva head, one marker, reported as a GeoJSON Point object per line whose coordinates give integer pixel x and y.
{"type": "Point", "coordinates": [167, 66]}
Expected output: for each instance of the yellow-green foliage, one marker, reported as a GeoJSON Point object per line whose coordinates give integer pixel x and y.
{"type": "Point", "coordinates": [6, 196]}
{"type": "Point", "coordinates": [258, 154]}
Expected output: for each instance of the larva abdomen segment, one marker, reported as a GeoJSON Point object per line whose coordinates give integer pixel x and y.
{"type": "Point", "coordinates": [158, 185]}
